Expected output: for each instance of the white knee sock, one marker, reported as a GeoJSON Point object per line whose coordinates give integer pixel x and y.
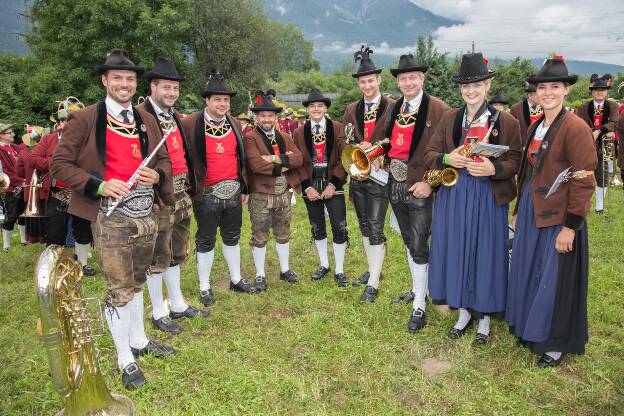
{"type": "Point", "coordinates": [22, 233]}
{"type": "Point", "coordinates": [376, 257]}
{"type": "Point", "coordinates": [321, 248]}
{"type": "Point", "coordinates": [204, 266]}
{"type": "Point", "coordinates": [82, 252]}
{"type": "Point", "coordinates": [154, 288]}
{"type": "Point", "coordinates": [366, 243]}
{"type": "Point", "coordinates": [138, 338]}
{"type": "Point", "coordinates": [464, 318]}
{"type": "Point", "coordinates": [484, 325]}
{"type": "Point", "coordinates": [232, 258]}
{"type": "Point", "coordinates": [293, 199]}
{"type": "Point", "coordinates": [339, 255]}
{"type": "Point", "coordinates": [282, 254]}
{"type": "Point", "coordinates": [601, 194]}
{"type": "Point", "coordinates": [6, 238]}
{"type": "Point", "coordinates": [419, 281]}
{"type": "Point", "coordinates": [554, 354]}
{"type": "Point", "coordinates": [118, 320]}
{"type": "Point", "coordinates": [172, 280]}
{"type": "Point", "coordinates": [259, 254]}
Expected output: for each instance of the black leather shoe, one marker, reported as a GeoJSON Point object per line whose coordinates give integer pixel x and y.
{"type": "Point", "coordinates": [243, 286]}
{"type": "Point", "coordinates": [481, 339]}
{"type": "Point", "coordinates": [289, 276]}
{"type": "Point", "coordinates": [599, 211]}
{"type": "Point", "coordinates": [369, 295]}
{"type": "Point", "coordinates": [455, 333]}
{"type": "Point", "coordinates": [190, 312]}
{"type": "Point", "coordinates": [417, 321]}
{"type": "Point", "coordinates": [165, 324]}
{"type": "Point", "coordinates": [341, 280]}
{"type": "Point", "coordinates": [546, 361]}
{"type": "Point", "coordinates": [206, 297]}
{"type": "Point", "coordinates": [320, 273]}
{"type": "Point", "coordinates": [406, 297]}
{"type": "Point", "coordinates": [155, 348]}
{"type": "Point", "coordinates": [132, 377]}
{"type": "Point", "coordinates": [362, 280]}
{"type": "Point", "coordinates": [88, 270]}
{"type": "Point", "coordinates": [261, 284]}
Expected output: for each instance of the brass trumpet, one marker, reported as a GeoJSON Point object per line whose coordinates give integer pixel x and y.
{"type": "Point", "coordinates": [358, 162]}
{"type": "Point", "coordinates": [446, 177]}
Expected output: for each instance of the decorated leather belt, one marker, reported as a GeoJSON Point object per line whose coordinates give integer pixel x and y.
{"type": "Point", "coordinates": [398, 170]}
{"type": "Point", "coordinates": [226, 189]}
{"type": "Point", "coordinates": [137, 204]}
{"type": "Point", "coordinates": [281, 185]}
{"type": "Point", "coordinates": [179, 183]}
{"type": "Point", "coordinates": [61, 194]}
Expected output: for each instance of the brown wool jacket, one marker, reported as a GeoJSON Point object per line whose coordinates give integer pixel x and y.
{"type": "Point", "coordinates": [448, 136]}
{"type": "Point", "coordinates": [429, 115]}
{"type": "Point", "coordinates": [335, 143]}
{"type": "Point", "coordinates": [354, 114]}
{"type": "Point", "coordinates": [79, 160]}
{"type": "Point", "coordinates": [609, 119]}
{"type": "Point", "coordinates": [193, 127]}
{"type": "Point", "coordinates": [191, 180]}
{"type": "Point", "coordinates": [520, 111]}
{"type": "Point", "coordinates": [568, 143]}
{"type": "Point", "coordinates": [260, 173]}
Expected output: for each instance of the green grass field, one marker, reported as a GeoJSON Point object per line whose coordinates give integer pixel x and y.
{"type": "Point", "coordinates": [313, 349]}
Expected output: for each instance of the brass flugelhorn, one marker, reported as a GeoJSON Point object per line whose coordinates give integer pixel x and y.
{"type": "Point", "coordinates": [65, 330]}
{"type": "Point", "coordinates": [358, 162]}
{"type": "Point", "coordinates": [33, 206]}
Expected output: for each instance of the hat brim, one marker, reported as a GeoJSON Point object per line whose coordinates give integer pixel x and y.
{"type": "Point", "coordinates": [103, 68]}
{"type": "Point", "coordinates": [396, 71]}
{"type": "Point", "coordinates": [272, 109]}
{"type": "Point", "coordinates": [6, 127]}
{"type": "Point", "coordinates": [363, 74]}
{"type": "Point", "coordinates": [571, 79]}
{"type": "Point", "coordinates": [325, 101]}
{"type": "Point", "coordinates": [499, 102]}
{"type": "Point", "coordinates": [207, 94]}
{"type": "Point", "coordinates": [150, 75]}
{"type": "Point", "coordinates": [600, 88]}
{"type": "Point", "coordinates": [468, 80]}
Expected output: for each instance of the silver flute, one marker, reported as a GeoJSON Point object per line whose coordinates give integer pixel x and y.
{"type": "Point", "coordinates": [135, 176]}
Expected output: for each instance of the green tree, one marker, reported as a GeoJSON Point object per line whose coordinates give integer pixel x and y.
{"type": "Point", "coordinates": [510, 79]}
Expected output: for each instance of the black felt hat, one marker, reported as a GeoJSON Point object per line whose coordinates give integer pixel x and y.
{"type": "Point", "coordinates": [553, 70]}
{"type": "Point", "coordinates": [473, 68]}
{"type": "Point", "coordinates": [264, 102]}
{"type": "Point", "coordinates": [528, 87]}
{"type": "Point", "coordinates": [163, 69]}
{"type": "Point", "coordinates": [367, 66]}
{"type": "Point", "coordinates": [316, 96]}
{"type": "Point", "coordinates": [118, 59]}
{"type": "Point", "coordinates": [216, 85]}
{"type": "Point", "coordinates": [499, 98]}
{"type": "Point", "coordinates": [600, 83]}
{"type": "Point", "coordinates": [407, 63]}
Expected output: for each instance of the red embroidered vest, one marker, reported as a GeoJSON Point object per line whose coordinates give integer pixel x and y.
{"type": "Point", "coordinates": [123, 149]}
{"type": "Point", "coordinates": [221, 154]}
{"type": "Point", "coordinates": [401, 138]}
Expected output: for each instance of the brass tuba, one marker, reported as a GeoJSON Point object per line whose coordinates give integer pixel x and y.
{"type": "Point", "coordinates": [358, 162]}
{"type": "Point", "coordinates": [5, 182]}
{"type": "Point", "coordinates": [65, 330]}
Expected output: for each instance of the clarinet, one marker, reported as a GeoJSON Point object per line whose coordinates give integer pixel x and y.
{"type": "Point", "coordinates": [134, 178]}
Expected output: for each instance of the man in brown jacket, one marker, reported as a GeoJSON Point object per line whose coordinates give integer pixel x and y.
{"type": "Point", "coordinates": [219, 165]}
{"type": "Point", "coordinates": [321, 141]}
{"type": "Point", "coordinates": [601, 115]}
{"type": "Point", "coordinates": [272, 160]}
{"type": "Point", "coordinates": [527, 111]}
{"type": "Point", "coordinates": [174, 223]}
{"type": "Point", "coordinates": [369, 117]}
{"type": "Point", "coordinates": [414, 118]}
{"type": "Point", "coordinates": [102, 146]}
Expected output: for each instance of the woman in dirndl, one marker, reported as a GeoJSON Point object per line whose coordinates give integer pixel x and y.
{"type": "Point", "coordinates": [547, 296]}
{"type": "Point", "coordinates": [469, 259]}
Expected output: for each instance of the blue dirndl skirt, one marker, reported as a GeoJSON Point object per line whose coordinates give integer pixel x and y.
{"type": "Point", "coordinates": [469, 258]}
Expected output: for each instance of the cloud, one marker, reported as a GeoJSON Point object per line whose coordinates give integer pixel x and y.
{"type": "Point", "coordinates": [581, 30]}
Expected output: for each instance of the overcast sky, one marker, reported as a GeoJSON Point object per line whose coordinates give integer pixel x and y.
{"type": "Point", "coordinates": [583, 30]}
